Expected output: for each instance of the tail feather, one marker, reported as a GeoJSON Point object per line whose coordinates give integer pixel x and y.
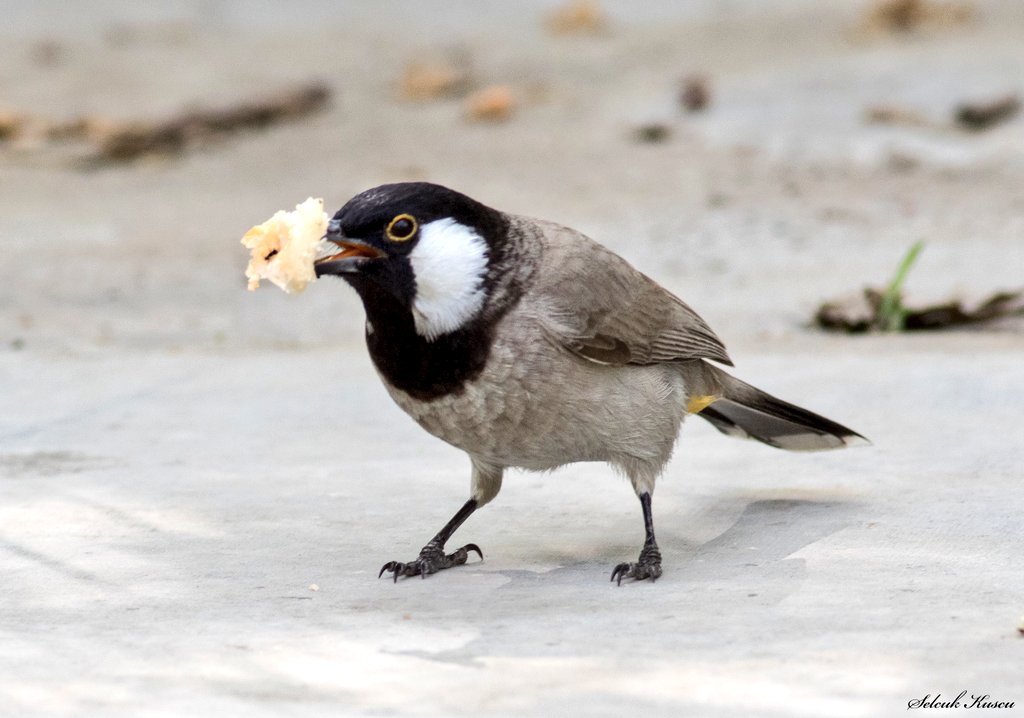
{"type": "Point", "coordinates": [746, 412]}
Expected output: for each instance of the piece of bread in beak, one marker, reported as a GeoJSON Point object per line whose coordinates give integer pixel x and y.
{"type": "Point", "coordinates": [283, 248]}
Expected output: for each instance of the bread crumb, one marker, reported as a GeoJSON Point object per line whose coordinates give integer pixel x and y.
{"type": "Point", "coordinates": [578, 17]}
{"type": "Point", "coordinates": [492, 104]}
{"type": "Point", "coordinates": [313, 587]}
{"type": "Point", "coordinates": [283, 248]}
{"type": "Point", "coordinates": [432, 80]}
{"type": "Point", "coordinates": [894, 115]}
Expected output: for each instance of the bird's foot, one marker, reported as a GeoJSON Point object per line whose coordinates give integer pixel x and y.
{"type": "Point", "coordinates": [431, 560]}
{"type": "Point", "coordinates": [649, 566]}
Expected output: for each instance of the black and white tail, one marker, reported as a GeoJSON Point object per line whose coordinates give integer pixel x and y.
{"type": "Point", "coordinates": [746, 412]}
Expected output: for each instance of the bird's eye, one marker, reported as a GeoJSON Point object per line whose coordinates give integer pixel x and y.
{"type": "Point", "coordinates": [401, 228]}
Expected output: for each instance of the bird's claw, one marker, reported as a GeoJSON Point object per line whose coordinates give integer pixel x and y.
{"type": "Point", "coordinates": [649, 566]}
{"type": "Point", "coordinates": [431, 560]}
{"type": "Point", "coordinates": [637, 571]}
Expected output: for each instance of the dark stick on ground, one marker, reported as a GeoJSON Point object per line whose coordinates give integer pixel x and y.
{"type": "Point", "coordinates": [862, 314]}
{"type": "Point", "coordinates": [177, 134]}
{"type": "Point", "coordinates": [982, 115]}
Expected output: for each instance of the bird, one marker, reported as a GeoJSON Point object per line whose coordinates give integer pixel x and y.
{"type": "Point", "coordinates": [528, 345]}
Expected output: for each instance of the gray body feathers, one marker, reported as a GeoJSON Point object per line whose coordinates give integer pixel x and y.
{"type": "Point", "coordinates": [596, 362]}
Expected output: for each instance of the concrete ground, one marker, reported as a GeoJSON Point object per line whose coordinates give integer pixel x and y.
{"type": "Point", "coordinates": [198, 485]}
{"type": "Point", "coordinates": [164, 520]}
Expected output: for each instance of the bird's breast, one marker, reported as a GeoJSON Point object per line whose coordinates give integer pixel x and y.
{"type": "Point", "coordinates": [536, 406]}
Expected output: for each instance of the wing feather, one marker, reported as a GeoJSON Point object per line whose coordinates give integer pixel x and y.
{"type": "Point", "coordinates": [617, 315]}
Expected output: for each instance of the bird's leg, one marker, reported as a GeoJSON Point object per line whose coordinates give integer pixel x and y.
{"type": "Point", "coordinates": [432, 558]}
{"type": "Point", "coordinates": [649, 564]}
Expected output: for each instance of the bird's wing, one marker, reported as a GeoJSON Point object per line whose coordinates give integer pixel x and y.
{"type": "Point", "coordinates": [598, 306]}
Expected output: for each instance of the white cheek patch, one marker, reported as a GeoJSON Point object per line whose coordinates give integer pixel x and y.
{"type": "Point", "coordinates": [449, 262]}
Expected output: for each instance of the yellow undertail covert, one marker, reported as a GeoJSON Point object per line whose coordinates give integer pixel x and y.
{"type": "Point", "coordinates": [699, 402]}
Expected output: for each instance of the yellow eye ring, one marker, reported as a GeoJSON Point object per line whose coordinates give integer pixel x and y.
{"type": "Point", "coordinates": [402, 228]}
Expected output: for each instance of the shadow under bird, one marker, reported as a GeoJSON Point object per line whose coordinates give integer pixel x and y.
{"type": "Point", "coordinates": [526, 344]}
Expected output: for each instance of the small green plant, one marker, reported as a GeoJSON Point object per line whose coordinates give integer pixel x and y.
{"type": "Point", "coordinates": [892, 314]}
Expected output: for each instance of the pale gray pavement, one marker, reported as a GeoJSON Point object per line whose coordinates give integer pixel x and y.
{"type": "Point", "coordinates": [180, 461]}
{"type": "Point", "coordinates": [164, 518]}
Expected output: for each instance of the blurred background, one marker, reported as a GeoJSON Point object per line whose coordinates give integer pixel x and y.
{"type": "Point", "coordinates": [757, 158]}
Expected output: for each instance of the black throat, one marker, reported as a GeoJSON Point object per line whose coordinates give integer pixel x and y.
{"type": "Point", "coordinates": [426, 370]}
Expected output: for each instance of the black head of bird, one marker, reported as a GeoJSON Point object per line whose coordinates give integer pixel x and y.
{"type": "Point", "coordinates": [419, 248]}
